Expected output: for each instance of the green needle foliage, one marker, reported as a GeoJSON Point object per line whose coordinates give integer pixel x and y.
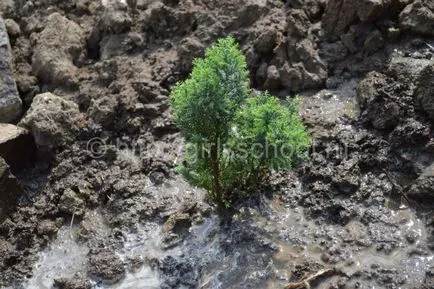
{"type": "Point", "coordinates": [266, 135]}
{"type": "Point", "coordinates": [204, 107]}
{"type": "Point", "coordinates": [232, 137]}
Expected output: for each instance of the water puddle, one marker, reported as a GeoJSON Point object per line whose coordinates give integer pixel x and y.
{"type": "Point", "coordinates": [262, 249]}
{"type": "Point", "coordinates": [328, 105]}
{"type": "Point", "coordinates": [145, 277]}
{"type": "Point", "coordinates": [111, 3]}
{"type": "Point", "coordinates": [63, 258]}
{"type": "Point", "coordinates": [299, 242]}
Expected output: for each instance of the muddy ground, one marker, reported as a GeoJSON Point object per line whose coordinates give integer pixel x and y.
{"type": "Point", "coordinates": [103, 207]}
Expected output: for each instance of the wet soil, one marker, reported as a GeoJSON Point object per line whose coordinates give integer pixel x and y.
{"type": "Point", "coordinates": [116, 215]}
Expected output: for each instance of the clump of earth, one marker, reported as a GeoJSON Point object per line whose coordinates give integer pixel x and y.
{"type": "Point", "coordinates": [89, 197]}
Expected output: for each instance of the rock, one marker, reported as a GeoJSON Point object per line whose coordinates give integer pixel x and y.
{"type": "Point", "coordinates": [132, 4]}
{"type": "Point", "coordinates": [423, 188]}
{"type": "Point", "coordinates": [333, 52]}
{"type": "Point", "coordinates": [71, 204]}
{"type": "Point", "coordinates": [418, 17]}
{"type": "Point", "coordinates": [112, 46]}
{"type": "Point", "coordinates": [177, 273]}
{"type": "Point", "coordinates": [58, 46]}
{"type": "Point", "coordinates": [417, 43]}
{"type": "Point", "coordinates": [106, 266]}
{"type": "Point", "coordinates": [373, 42]}
{"type": "Point", "coordinates": [411, 132]}
{"type": "Point", "coordinates": [23, 51]}
{"type": "Point", "coordinates": [371, 10]}
{"type": "Point", "coordinates": [397, 6]}
{"type": "Point", "coordinates": [48, 227]}
{"type": "Point", "coordinates": [313, 79]}
{"type": "Point", "coordinates": [345, 181]}
{"type": "Point", "coordinates": [266, 41]}
{"type": "Point", "coordinates": [346, 184]}
{"type": "Point", "coordinates": [10, 189]}
{"type": "Point", "coordinates": [406, 68]}
{"type": "Point", "coordinates": [27, 83]}
{"type": "Point", "coordinates": [115, 21]}
{"type": "Point", "coordinates": [175, 229]}
{"type": "Point", "coordinates": [291, 77]}
{"type": "Point", "coordinates": [248, 14]}
{"type": "Point", "coordinates": [31, 25]}
{"type": "Point", "coordinates": [366, 89]}
{"type": "Point", "coordinates": [190, 48]}
{"type": "Point", "coordinates": [82, 7]}
{"type": "Point", "coordinates": [17, 146]}
{"type": "Point", "coordinates": [412, 236]}
{"type": "Point", "coordinates": [106, 72]}
{"type": "Point", "coordinates": [338, 16]}
{"type": "Point", "coordinates": [103, 110]}
{"type": "Point", "coordinates": [393, 33]}
{"type": "Point", "coordinates": [313, 8]}
{"type": "Point", "coordinates": [298, 23]}
{"type": "Point", "coordinates": [8, 9]}
{"type": "Point", "coordinates": [10, 102]}
{"type": "Point", "coordinates": [424, 93]}
{"type": "Point", "coordinates": [314, 70]}
{"type": "Point", "coordinates": [300, 66]}
{"type": "Point", "coordinates": [334, 82]}
{"type": "Point", "coordinates": [12, 28]}
{"type": "Point", "coordinates": [53, 121]}
{"type": "Point", "coordinates": [114, 4]}
{"type": "Point", "coordinates": [349, 40]}
{"type": "Point", "coordinates": [77, 282]}
{"type": "Point", "coordinates": [379, 98]}
{"type": "Point", "coordinates": [171, 3]}
{"type": "Point", "coordinates": [273, 78]}
{"type": "Point", "coordinates": [177, 223]}
{"type": "Point", "coordinates": [165, 21]}
{"type": "Point", "coordinates": [261, 73]}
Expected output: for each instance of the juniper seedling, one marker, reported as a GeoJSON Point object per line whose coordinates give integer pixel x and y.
{"type": "Point", "coordinates": [204, 107]}
{"type": "Point", "coordinates": [232, 137]}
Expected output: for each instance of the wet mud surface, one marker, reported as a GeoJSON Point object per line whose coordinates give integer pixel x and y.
{"type": "Point", "coordinates": [103, 207]}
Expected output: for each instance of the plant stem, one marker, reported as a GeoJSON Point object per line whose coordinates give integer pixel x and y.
{"type": "Point", "coordinates": [216, 176]}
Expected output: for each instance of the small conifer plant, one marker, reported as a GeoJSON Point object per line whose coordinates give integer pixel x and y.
{"type": "Point", "coordinates": [233, 138]}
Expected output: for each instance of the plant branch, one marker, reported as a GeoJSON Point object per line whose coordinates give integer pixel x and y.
{"type": "Point", "coordinates": [305, 283]}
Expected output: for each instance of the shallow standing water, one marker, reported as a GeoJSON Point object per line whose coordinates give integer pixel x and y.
{"type": "Point", "coordinates": [297, 240]}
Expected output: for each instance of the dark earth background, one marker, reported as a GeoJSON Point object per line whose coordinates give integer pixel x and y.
{"type": "Point", "coordinates": [119, 217]}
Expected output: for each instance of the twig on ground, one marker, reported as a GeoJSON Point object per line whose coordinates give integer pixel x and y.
{"type": "Point", "coordinates": [305, 283]}
{"type": "Point", "coordinates": [70, 225]}
{"type": "Point", "coordinates": [397, 188]}
{"type": "Point", "coordinates": [430, 46]}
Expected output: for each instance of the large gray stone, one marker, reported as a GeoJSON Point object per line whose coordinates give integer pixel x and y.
{"type": "Point", "coordinates": [10, 189]}
{"type": "Point", "coordinates": [17, 146]}
{"type": "Point", "coordinates": [10, 102]}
